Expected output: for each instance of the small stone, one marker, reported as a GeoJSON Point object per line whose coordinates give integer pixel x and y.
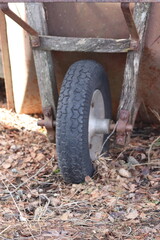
{"type": "Point", "coordinates": [40, 190]}
{"type": "Point", "coordinates": [22, 219]}
{"type": "Point", "coordinates": [143, 156]}
{"type": "Point", "coordinates": [29, 195]}
{"type": "Point", "coordinates": [14, 170]}
{"type": "Point", "coordinates": [20, 193]}
{"type": "Point", "coordinates": [131, 195]}
{"type": "Point", "coordinates": [132, 161]}
{"type": "Point", "coordinates": [124, 173]}
{"type": "Point", "coordinates": [15, 148]}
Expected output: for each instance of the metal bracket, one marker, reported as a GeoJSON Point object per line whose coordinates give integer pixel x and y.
{"type": "Point", "coordinates": [123, 128]}
{"type": "Point", "coordinates": [48, 123]}
{"type": "Point", "coordinates": [6, 10]}
{"type": "Point", "coordinates": [130, 24]}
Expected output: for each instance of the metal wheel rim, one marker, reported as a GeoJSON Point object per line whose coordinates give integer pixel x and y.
{"type": "Point", "coordinates": [96, 116]}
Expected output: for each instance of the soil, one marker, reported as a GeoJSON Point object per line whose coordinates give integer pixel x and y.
{"type": "Point", "coordinates": [121, 201]}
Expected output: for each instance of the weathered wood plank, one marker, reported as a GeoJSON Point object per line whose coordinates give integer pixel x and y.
{"type": "Point", "coordinates": [129, 98]}
{"type": "Point", "coordinates": [71, 44]}
{"type": "Point", "coordinates": [6, 62]}
{"type": "Point", "coordinates": [43, 59]}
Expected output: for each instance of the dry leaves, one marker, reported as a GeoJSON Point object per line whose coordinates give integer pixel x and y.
{"type": "Point", "coordinates": [120, 202]}
{"type": "Point", "coordinates": [132, 214]}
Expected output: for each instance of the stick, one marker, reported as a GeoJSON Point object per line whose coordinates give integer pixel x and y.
{"type": "Point", "coordinates": [107, 139]}
{"type": "Point", "coordinates": [24, 219]}
{"type": "Point", "coordinates": [148, 163]}
{"type": "Point", "coordinates": [5, 229]}
{"type": "Point", "coordinates": [150, 149]}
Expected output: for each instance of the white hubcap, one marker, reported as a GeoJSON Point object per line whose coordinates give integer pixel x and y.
{"type": "Point", "coordinates": [98, 125]}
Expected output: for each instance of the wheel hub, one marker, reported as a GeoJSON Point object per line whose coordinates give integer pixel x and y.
{"type": "Point", "coordinates": [98, 125]}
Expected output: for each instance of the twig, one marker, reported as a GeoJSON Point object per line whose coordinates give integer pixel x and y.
{"type": "Point", "coordinates": [150, 149]}
{"type": "Point", "coordinates": [124, 150]}
{"type": "Point", "coordinates": [5, 229]}
{"type": "Point", "coordinates": [45, 207]}
{"type": "Point", "coordinates": [77, 203]}
{"type": "Point", "coordinates": [11, 183]}
{"type": "Point", "coordinates": [148, 163]}
{"type": "Point", "coordinates": [156, 114]}
{"type": "Point", "coordinates": [24, 219]}
{"type": "Point", "coordinates": [129, 232]}
{"type": "Point", "coordinates": [22, 184]}
{"type": "Point", "coordinates": [77, 190]}
{"type": "Point", "coordinates": [20, 213]}
{"type": "Point", "coordinates": [114, 129]}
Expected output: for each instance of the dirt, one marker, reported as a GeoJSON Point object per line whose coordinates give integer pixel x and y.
{"type": "Point", "coordinates": [121, 201]}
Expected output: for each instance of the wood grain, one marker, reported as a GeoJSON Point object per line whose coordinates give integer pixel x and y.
{"type": "Point", "coordinates": [129, 98]}
{"type": "Point", "coordinates": [43, 59]}
{"type": "Point", "coordinates": [70, 44]}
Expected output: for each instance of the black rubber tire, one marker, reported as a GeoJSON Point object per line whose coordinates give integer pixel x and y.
{"type": "Point", "coordinates": [81, 80]}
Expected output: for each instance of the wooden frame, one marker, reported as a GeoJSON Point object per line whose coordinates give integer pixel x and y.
{"type": "Point", "coordinates": [70, 44]}
{"type": "Point", "coordinates": [42, 45]}
{"type": "Point", "coordinates": [43, 59]}
{"type": "Point", "coordinates": [130, 101]}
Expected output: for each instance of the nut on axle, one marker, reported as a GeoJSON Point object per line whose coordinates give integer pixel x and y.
{"type": "Point", "coordinates": [123, 128]}
{"type": "Point", "coordinates": [48, 122]}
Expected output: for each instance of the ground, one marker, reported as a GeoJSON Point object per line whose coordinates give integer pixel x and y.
{"type": "Point", "coordinates": [122, 201]}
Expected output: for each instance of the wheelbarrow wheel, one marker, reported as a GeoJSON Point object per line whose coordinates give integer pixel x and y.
{"type": "Point", "coordinates": [84, 100]}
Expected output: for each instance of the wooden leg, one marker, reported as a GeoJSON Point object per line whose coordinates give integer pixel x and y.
{"type": "Point", "coordinates": [129, 97]}
{"type": "Point", "coordinates": [44, 67]}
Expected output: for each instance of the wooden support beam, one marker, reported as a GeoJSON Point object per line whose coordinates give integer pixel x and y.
{"type": "Point", "coordinates": [129, 96]}
{"type": "Point", "coordinates": [44, 68]}
{"type": "Point", "coordinates": [43, 59]}
{"type": "Point", "coordinates": [70, 44]}
{"type": "Point", "coordinates": [6, 62]}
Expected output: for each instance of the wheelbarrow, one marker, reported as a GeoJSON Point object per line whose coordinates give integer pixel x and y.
{"type": "Point", "coordinates": [83, 111]}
